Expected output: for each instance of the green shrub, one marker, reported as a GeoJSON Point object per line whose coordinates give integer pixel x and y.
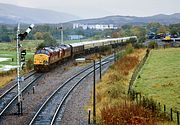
{"type": "Point", "coordinates": [129, 49]}
{"type": "Point", "coordinates": [152, 45]}
{"type": "Point", "coordinates": [138, 45]}
{"type": "Point", "coordinates": [40, 46]}
{"type": "Point", "coordinates": [29, 64]}
{"type": "Point", "coordinates": [120, 54]}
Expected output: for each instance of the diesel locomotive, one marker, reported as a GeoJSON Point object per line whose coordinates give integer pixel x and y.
{"type": "Point", "coordinates": [46, 57]}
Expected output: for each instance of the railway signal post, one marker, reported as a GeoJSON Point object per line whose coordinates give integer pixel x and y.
{"type": "Point", "coordinates": [19, 104]}
{"type": "Point", "coordinates": [20, 62]}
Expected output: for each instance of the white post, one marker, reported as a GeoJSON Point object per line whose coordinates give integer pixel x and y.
{"type": "Point", "coordinates": [18, 69]}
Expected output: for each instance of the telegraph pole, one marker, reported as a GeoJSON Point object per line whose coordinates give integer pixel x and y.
{"type": "Point", "coordinates": [94, 93]}
{"type": "Point", "coordinates": [61, 28]}
{"type": "Point", "coordinates": [61, 34]}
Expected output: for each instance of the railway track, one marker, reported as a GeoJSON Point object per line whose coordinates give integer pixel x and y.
{"type": "Point", "coordinates": [48, 112]}
{"type": "Point", "coordinates": [10, 96]}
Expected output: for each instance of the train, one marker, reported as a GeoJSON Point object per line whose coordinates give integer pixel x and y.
{"type": "Point", "coordinates": [46, 57]}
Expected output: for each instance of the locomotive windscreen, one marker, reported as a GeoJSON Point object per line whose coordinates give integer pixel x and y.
{"type": "Point", "coordinates": [42, 52]}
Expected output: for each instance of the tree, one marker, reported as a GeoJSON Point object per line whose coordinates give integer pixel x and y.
{"type": "Point", "coordinates": [163, 29]}
{"type": "Point", "coordinates": [38, 35]}
{"type": "Point", "coordinates": [115, 35]}
{"type": "Point", "coordinates": [125, 27]}
{"type": "Point", "coordinates": [174, 29]}
{"type": "Point", "coordinates": [5, 38]}
{"type": "Point", "coordinates": [140, 32]}
{"type": "Point", "coordinates": [153, 27]}
{"type": "Point", "coordinates": [49, 40]}
{"type": "Point", "coordinates": [40, 46]}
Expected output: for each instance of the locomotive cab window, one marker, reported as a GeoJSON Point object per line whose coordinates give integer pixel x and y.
{"type": "Point", "coordinates": [42, 52]}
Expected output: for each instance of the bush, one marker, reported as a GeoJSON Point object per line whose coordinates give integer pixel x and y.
{"type": "Point", "coordinates": [120, 55]}
{"type": "Point", "coordinates": [40, 46]}
{"type": "Point", "coordinates": [127, 114]}
{"type": "Point", "coordinates": [152, 45]}
{"type": "Point", "coordinates": [129, 49]}
{"type": "Point", "coordinates": [29, 64]}
{"type": "Point", "coordinates": [138, 45]}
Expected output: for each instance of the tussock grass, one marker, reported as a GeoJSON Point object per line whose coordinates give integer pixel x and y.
{"type": "Point", "coordinates": [6, 78]}
{"type": "Point", "coordinates": [113, 107]}
{"type": "Point", "coordinates": [127, 114]}
{"type": "Point", "coordinates": [10, 75]}
{"type": "Point", "coordinates": [112, 90]}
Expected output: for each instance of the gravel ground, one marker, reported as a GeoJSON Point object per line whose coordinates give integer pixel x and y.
{"type": "Point", "coordinates": [43, 88]}
{"type": "Point", "coordinates": [8, 86]}
{"type": "Point", "coordinates": [75, 112]}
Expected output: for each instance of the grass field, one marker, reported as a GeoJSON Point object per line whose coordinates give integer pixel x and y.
{"type": "Point", "coordinates": [27, 44]}
{"type": "Point", "coordinates": [8, 50]}
{"type": "Point", "coordinates": [160, 77]}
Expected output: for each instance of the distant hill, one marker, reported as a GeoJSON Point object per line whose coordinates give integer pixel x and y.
{"type": "Point", "coordinates": [11, 14]}
{"type": "Point", "coordinates": [122, 20]}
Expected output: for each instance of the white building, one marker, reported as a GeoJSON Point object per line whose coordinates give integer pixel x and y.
{"type": "Point", "coordinates": [97, 26]}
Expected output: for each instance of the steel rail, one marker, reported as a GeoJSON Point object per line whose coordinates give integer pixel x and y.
{"type": "Point", "coordinates": [11, 102]}
{"type": "Point", "coordinates": [33, 72]}
{"type": "Point", "coordinates": [59, 88]}
{"type": "Point", "coordinates": [66, 96]}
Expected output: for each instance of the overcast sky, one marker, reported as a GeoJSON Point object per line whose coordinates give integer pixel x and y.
{"type": "Point", "coordinates": [101, 8]}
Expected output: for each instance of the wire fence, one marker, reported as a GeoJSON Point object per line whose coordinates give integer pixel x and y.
{"type": "Point", "coordinates": [138, 68]}
{"type": "Point", "coordinates": [160, 109]}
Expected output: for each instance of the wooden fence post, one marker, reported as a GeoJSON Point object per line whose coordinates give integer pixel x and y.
{"type": "Point", "coordinates": [177, 117]}
{"type": "Point", "coordinates": [171, 115]}
{"type": "Point", "coordinates": [159, 107]}
{"type": "Point", "coordinates": [164, 108]}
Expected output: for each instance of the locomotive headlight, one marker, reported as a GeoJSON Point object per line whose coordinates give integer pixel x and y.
{"type": "Point", "coordinates": [45, 62]}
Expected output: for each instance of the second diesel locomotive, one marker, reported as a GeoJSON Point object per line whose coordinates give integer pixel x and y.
{"type": "Point", "coordinates": [46, 57]}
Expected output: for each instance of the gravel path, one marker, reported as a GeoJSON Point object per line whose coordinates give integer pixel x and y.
{"type": "Point", "coordinates": [43, 88]}
{"type": "Point", "coordinates": [75, 112]}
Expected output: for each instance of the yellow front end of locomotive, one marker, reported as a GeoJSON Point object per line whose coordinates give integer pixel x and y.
{"type": "Point", "coordinates": [41, 59]}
